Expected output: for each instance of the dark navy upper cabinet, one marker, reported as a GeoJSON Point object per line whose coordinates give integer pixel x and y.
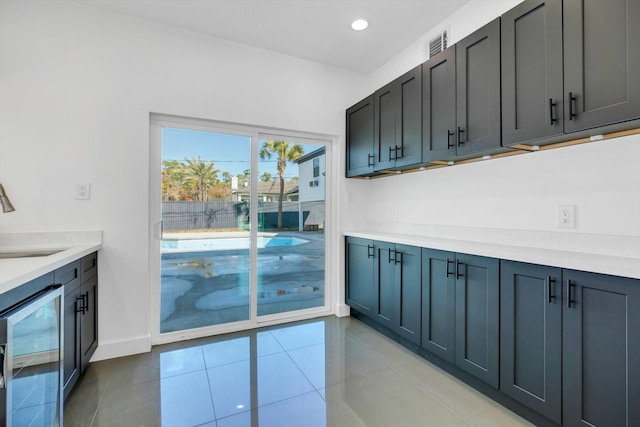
{"type": "Point", "coordinates": [360, 257]}
{"type": "Point", "coordinates": [359, 134]}
{"type": "Point", "coordinates": [601, 62]}
{"type": "Point", "coordinates": [531, 336]}
{"type": "Point", "coordinates": [398, 122]}
{"type": "Point", "coordinates": [601, 350]}
{"type": "Point", "coordinates": [478, 91]}
{"type": "Point", "coordinates": [439, 131]}
{"type": "Point", "coordinates": [532, 92]}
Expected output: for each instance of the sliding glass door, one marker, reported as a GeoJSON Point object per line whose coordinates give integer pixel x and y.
{"type": "Point", "coordinates": [205, 247]}
{"type": "Point", "coordinates": [291, 262]}
{"type": "Point", "coordinates": [242, 230]}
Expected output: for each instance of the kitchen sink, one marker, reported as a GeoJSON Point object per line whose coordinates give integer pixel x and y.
{"type": "Point", "coordinates": [4, 254]}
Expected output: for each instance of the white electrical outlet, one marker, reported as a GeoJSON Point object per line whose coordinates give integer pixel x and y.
{"type": "Point", "coordinates": [394, 215]}
{"type": "Point", "coordinates": [83, 191]}
{"type": "Point", "coordinates": [566, 216]}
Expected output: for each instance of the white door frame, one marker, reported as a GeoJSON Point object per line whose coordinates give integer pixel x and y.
{"type": "Point", "coordinates": [332, 281]}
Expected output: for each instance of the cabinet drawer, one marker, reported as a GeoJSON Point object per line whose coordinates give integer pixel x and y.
{"type": "Point", "coordinates": [88, 267]}
{"type": "Point", "coordinates": [68, 276]}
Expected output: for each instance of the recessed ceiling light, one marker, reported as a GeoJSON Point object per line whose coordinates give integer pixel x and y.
{"type": "Point", "coordinates": [359, 24]}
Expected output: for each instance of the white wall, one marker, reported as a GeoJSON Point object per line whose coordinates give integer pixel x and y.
{"type": "Point", "coordinates": [76, 89]}
{"type": "Point", "coordinates": [512, 200]}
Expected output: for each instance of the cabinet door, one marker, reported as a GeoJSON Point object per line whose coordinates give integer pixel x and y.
{"type": "Point", "coordinates": [407, 260]}
{"type": "Point", "coordinates": [385, 123]}
{"type": "Point", "coordinates": [438, 303]}
{"type": "Point", "coordinates": [478, 90]}
{"type": "Point", "coordinates": [72, 302]}
{"type": "Point", "coordinates": [602, 62]}
{"type": "Point", "coordinates": [409, 151]}
{"type": "Point", "coordinates": [385, 284]}
{"type": "Point", "coordinates": [477, 316]}
{"type": "Point", "coordinates": [360, 283]}
{"type": "Point", "coordinates": [398, 122]}
{"type": "Point", "coordinates": [531, 336]}
{"type": "Point", "coordinates": [601, 350]}
{"type": "Point", "coordinates": [439, 106]}
{"type": "Point", "coordinates": [360, 138]}
{"type": "Point", "coordinates": [89, 321]}
{"type": "Point", "coordinates": [532, 71]}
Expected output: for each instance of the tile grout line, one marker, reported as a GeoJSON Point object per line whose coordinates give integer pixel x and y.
{"type": "Point", "coordinates": [95, 413]}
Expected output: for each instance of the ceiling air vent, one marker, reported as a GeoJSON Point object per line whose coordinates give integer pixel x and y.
{"type": "Point", "coordinates": [437, 44]}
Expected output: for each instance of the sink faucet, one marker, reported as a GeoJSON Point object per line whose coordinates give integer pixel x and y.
{"type": "Point", "coordinates": [6, 203]}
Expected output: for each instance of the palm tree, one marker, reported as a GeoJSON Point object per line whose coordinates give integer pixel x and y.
{"type": "Point", "coordinates": [203, 173]}
{"type": "Point", "coordinates": [286, 153]}
{"type": "Point", "coordinates": [265, 177]}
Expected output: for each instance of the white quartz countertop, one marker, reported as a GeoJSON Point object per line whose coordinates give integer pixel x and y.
{"type": "Point", "coordinates": [624, 266]}
{"type": "Point", "coordinates": [17, 271]}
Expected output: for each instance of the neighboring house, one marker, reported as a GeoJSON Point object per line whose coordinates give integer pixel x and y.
{"type": "Point", "coordinates": [311, 172]}
{"type": "Point", "coordinates": [312, 178]}
{"type": "Point", "coordinates": [268, 192]}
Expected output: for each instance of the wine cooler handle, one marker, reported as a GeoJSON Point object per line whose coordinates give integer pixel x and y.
{"type": "Point", "coordinates": [3, 365]}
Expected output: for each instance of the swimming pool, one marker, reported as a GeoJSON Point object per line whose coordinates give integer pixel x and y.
{"type": "Point", "coordinates": [228, 243]}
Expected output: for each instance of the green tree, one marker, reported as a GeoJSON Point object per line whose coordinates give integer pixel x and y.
{"type": "Point", "coordinates": [244, 178]}
{"type": "Point", "coordinates": [173, 180]}
{"type": "Point", "coordinates": [265, 177]}
{"type": "Point", "coordinates": [226, 178]}
{"type": "Point", "coordinates": [204, 175]}
{"type": "Point", "coordinates": [286, 154]}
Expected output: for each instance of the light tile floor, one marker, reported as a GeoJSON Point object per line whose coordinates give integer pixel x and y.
{"type": "Point", "coordinates": [324, 372]}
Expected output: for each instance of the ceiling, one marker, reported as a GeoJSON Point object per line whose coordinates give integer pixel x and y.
{"type": "Point", "coordinates": [316, 30]}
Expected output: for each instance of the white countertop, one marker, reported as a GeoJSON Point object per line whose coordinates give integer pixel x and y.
{"type": "Point", "coordinates": [17, 271]}
{"type": "Point", "coordinates": [597, 263]}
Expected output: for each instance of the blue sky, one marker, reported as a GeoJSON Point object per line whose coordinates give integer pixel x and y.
{"type": "Point", "coordinates": [229, 153]}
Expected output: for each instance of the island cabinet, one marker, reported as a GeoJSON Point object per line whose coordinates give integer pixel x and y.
{"type": "Point", "coordinates": [601, 350]}
{"type": "Point", "coordinates": [398, 122]}
{"type": "Point", "coordinates": [531, 336]}
{"type": "Point", "coordinates": [532, 92]}
{"type": "Point", "coordinates": [601, 62]}
{"type": "Point", "coordinates": [460, 311]}
{"type": "Point", "coordinates": [80, 282]}
{"type": "Point", "coordinates": [359, 135]}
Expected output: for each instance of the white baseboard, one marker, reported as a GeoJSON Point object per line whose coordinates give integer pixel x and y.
{"type": "Point", "coordinates": [120, 348]}
{"type": "Point", "coordinates": [342, 310]}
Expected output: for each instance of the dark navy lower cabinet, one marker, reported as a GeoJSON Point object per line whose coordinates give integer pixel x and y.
{"type": "Point", "coordinates": [601, 350]}
{"type": "Point", "coordinates": [565, 344]}
{"type": "Point", "coordinates": [531, 336]}
{"type": "Point", "coordinates": [477, 316]}
{"type": "Point", "coordinates": [397, 289]}
{"type": "Point", "coordinates": [438, 303]}
{"type": "Point", "coordinates": [407, 324]}
{"type": "Point", "coordinates": [359, 274]}
{"type": "Point", "coordinates": [460, 311]}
